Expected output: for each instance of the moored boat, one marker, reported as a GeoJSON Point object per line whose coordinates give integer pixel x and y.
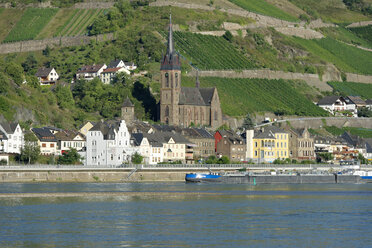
{"type": "Point", "coordinates": [202, 177]}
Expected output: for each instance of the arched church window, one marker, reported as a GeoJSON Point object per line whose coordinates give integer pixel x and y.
{"type": "Point", "coordinates": [166, 79]}
{"type": "Point", "coordinates": [166, 111]}
{"type": "Point", "coordinates": [215, 116]}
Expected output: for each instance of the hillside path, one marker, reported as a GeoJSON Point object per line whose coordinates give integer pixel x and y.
{"type": "Point", "coordinates": [261, 20]}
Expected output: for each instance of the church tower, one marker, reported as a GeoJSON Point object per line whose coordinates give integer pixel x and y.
{"type": "Point", "coordinates": [170, 71]}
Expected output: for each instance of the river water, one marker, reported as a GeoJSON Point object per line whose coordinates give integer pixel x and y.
{"type": "Point", "coordinates": [185, 215]}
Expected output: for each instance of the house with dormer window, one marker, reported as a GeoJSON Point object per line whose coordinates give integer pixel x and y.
{"type": "Point", "coordinates": [11, 137]}
{"type": "Point", "coordinates": [109, 144]}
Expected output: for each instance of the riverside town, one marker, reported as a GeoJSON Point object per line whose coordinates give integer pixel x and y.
{"type": "Point", "coordinates": [182, 123]}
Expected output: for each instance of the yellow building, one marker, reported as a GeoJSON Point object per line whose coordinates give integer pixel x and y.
{"type": "Point", "coordinates": [268, 144]}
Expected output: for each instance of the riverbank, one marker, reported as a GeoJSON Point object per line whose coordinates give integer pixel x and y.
{"type": "Point", "coordinates": [93, 175]}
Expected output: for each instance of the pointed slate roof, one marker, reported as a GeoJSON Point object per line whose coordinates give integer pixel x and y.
{"type": "Point", "coordinates": [114, 63]}
{"type": "Point", "coordinates": [128, 103]}
{"type": "Point", "coordinates": [328, 100]}
{"type": "Point", "coordinates": [44, 134]}
{"type": "Point", "coordinates": [9, 128]}
{"type": "Point", "coordinates": [43, 72]}
{"type": "Point", "coordinates": [171, 60]}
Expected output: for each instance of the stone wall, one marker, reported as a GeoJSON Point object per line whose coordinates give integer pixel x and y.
{"type": "Point", "coordinates": [350, 77]}
{"type": "Point", "coordinates": [311, 79]}
{"type": "Point", "coordinates": [35, 45]}
{"type": "Point", "coordinates": [261, 20]}
{"type": "Point", "coordinates": [94, 5]}
{"type": "Point", "coordinates": [338, 122]}
{"type": "Point", "coordinates": [359, 24]}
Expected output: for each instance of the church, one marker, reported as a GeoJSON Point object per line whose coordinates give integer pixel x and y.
{"type": "Point", "coordinates": [182, 106]}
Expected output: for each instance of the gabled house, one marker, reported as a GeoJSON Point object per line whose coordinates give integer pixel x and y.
{"type": "Point", "coordinates": [130, 66]}
{"type": "Point", "coordinates": [117, 63]}
{"type": "Point", "coordinates": [47, 76]}
{"type": "Point", "coordinates": [68, 139]}
{"type": "Point", "coordinates": [267, 144]}
{"type": "Point", "coordinates": [89, 72]}
{"type": "Point", "coordinates": [107, 75]}
{"type": "Point", "coordinates": [11, 137]}
{"type": "Point", "coordinates": [228, 143]}
{"type": "Point", "coordinates": [203, 140]}
{"type": "Point", "coordinates": [301, 144]}
{"type": "Point", "coordinates": [334, 104]}
{"type": "Point", "coordinates": [46, 141]}
{"type": "Point", "coordinates": [175, 147]}
{"type": "Point", "coordinates": [109, 143]}
{"type": "Point", "coordinates": [144, 148]}
{"type": "Point", "coordinates": [359, 103]}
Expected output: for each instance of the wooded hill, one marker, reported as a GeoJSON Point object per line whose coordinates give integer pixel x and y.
{"type": "Point", "coordinates": [140, 37]}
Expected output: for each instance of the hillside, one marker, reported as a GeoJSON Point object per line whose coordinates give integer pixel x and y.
{"type": "Point", "coordinates": [238, 43]}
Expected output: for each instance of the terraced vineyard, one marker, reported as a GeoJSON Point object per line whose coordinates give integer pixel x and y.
{"type": "Point", "coordinates": [263, 7]}
{"type": "Point", "coordinates": [78, 22]}
{"type": "Point", "coordinates": [31, 23]}
{"type": "Point", "coordinates": [353, 89]}
{"type": "Point", "coordinates": [363, 32]}
{"type": "Point", "coordinates": [241, 95]}
{"type": "Point", "coordinates": [210, 52]}
{"type": "Point", "coordinates": [345, 57]}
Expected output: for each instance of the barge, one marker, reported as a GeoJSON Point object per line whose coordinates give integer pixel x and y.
{"type": "Point", "coordinates": [245, 178]}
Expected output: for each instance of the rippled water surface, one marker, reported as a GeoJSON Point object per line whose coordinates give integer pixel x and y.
{"type": "Point", "coordinates": [186, 215]}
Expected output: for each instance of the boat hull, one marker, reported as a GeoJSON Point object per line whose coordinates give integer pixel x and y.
{"type": "Point", "coordinates": [199, 178]}
{"type": "Point", "coordinates": [276, 179]}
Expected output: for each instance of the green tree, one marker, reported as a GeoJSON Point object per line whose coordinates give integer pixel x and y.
{"type": "Point", "coordinates": [69, 157]}
{"type": "Point", "coordinates": [64, 97]}
{"type": "Point", "coordinates": [15, 71]}
{"type": "Point", "coordinates": [325, 156]}
{"type": "Point", "coordinates": [211, 160]}
{"type": "Point", "coordinates": [30, 152]}
{"type": "Point", "coordinates": [137, 158]}
{"type": "Point", "coordinates": [223, 160]}
{"type": "Point", "coordinates": [247, 123]}
{"type": "Point", "coordinates": [30, 64]}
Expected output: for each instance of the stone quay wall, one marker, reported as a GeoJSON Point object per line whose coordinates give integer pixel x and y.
{"type": "Point", "coordinates": [36, 45]}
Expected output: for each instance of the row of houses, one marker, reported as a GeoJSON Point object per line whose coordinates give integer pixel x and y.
{"type": "Point", "coordinates": [106, 73]}
{"type": "Point", "coordinates": [115, 142]}
{"type": "Point", "coordinates": [339, 105]}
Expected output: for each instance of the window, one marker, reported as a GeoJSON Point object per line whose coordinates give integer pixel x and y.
{"type": "Point", "coordinates": [43, 145]}
{"type": "Point", "coordinates": [255, 153]}
{"type": "Point", "coordinates": [52, 145]}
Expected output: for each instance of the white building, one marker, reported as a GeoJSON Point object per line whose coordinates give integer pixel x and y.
{"type": "Point", "coordinates": [89, 72]}
{"type": "Point", "coordinates": [47, 76]}
{"type": "Point", "coordinates": [46, 141]}
{"type": "Point", "coordinates": [67, 139]}
{"type": "Point", "coordinates": [334, 104]}
{"type": "Point", "coordinates": [108, 75]}
{"type": "Point", "coordinates": [109, 143]}
{"type": "Point", "coordinates": [11, 138]}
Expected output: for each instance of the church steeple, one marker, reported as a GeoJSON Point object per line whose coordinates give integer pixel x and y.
{"type": "Point", "coordinates": [171, 60]}
{"type": "Point", "coordinates": [197, 83]}
{"type": "Point", "coordinates": [170, 47]}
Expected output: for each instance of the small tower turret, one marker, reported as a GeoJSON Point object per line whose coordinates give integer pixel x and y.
{"type": "Point", "coordinates": [127, 111]}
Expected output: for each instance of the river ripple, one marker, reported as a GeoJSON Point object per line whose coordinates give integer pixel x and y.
{"type": "Point", "coordinates": [184, 215]}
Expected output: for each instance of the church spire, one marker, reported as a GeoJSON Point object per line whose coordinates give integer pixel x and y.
{"type": "Point", "coordinates": [170, 47]}
{"type": "Point", "coordinates": [197, 83]}
{"type": "Point", "coordinates": [171, 60]}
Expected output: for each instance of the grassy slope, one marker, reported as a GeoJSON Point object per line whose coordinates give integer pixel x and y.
{"type": "Point", "coordinates": [263, 7]}
{"type": "Point", "coordinates": [8, 19]}
{"type": "Point", "coordinates": [329, 10]}
{"type": "Point", "coordinates": [62, 16]}
{"type": "Point", "coordinates": [345, 57]}
{"type": "Point", "coordinates": [361, 132]}
{"type": "Point", "coordinates": [353, 89]}
{"type": "Point", "coordinates": [239, 96]}
{"type": "Point", "coordinates": [349, 36]}
{"type": "Point", "coordinates": [363, 32]}
{"type": "Point", "coordinates": [30, 25]}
